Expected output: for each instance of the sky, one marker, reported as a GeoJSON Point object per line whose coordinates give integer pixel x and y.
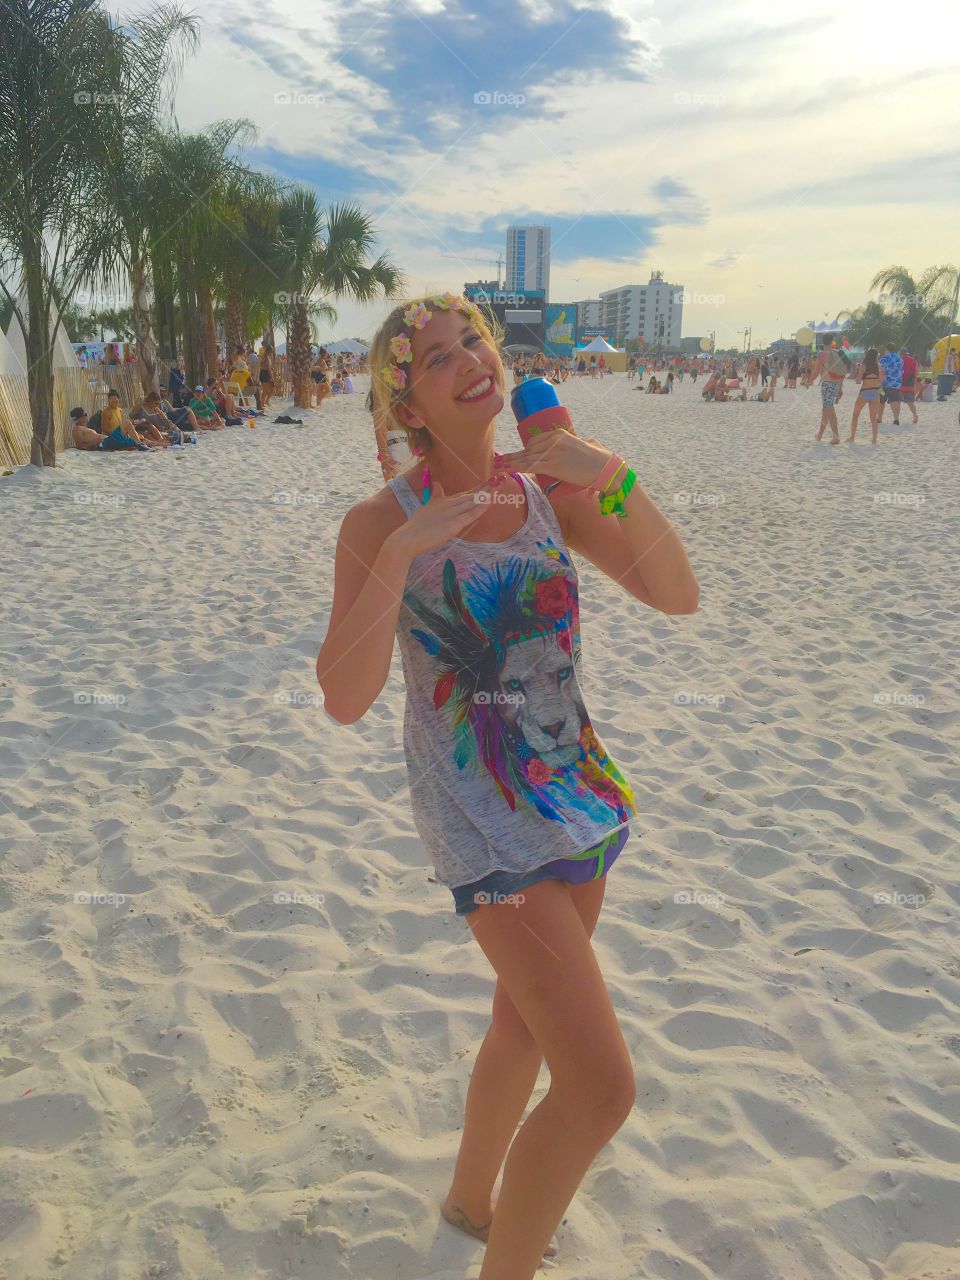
{"type": "Point", "coordinates": [770, 159]}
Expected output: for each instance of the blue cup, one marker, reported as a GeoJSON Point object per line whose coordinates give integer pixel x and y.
{"type": "Point", "coordinates": [531, 396]}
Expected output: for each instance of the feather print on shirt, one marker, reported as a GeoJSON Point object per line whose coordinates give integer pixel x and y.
{"type": "Point", "coordinates": [505, 645]}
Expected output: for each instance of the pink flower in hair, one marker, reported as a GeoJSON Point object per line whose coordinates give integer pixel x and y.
{"type": "Point", "coordinates": [417, 315]}
{"type": "Point", "coordinates": [395, 378]}
{"type": "Point", "coordinates": [401, 348]}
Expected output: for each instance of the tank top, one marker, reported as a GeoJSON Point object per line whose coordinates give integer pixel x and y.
{"type": "Point", "coordinates": [505, 769]}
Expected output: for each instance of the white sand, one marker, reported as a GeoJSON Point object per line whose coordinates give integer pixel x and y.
{"type": "Point", "coordinates": [203, 1082]}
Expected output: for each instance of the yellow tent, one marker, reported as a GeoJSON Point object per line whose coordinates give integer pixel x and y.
{"type": "Point", "coordinates": [940, 352]}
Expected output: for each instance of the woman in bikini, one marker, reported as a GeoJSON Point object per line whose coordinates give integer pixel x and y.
{"type": "Point", "coordinates": [467, 565]}
{"type": "Point", "coordinates": [870, 379]}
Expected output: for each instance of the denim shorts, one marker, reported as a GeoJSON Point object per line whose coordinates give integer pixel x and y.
{"type": "Point", "coordinates": [589, 865]}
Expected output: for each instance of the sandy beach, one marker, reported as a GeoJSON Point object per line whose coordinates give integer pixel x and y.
{"type": "Point", "coordinates": [239, 1015]}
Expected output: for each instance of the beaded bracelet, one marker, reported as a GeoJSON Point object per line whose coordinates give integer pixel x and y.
{"type": "Point", "coordinates": [613, 503]}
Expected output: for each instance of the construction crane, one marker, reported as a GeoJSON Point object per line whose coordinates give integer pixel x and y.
{"type": "Point", "coordinates": [462, 257]}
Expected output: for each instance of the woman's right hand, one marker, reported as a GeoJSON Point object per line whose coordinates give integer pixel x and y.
{"type": "Point", "coordinates": [441, 519]}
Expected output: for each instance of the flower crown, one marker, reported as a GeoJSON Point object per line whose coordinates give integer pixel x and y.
{"type": "Point", "coordinates": [416, 316]}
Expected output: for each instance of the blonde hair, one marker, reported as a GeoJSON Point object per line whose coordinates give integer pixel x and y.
{"type": "Point", "coordinates": [385, 397]}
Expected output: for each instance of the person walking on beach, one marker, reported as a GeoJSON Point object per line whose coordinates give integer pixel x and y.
{"type": "Point", "coordinates": [831, 369]}
{"type": "Point", "coordinates": [870, 377]}
{"type": "Point", "coordinates": [908, 386]}
{"type": "Point", "coordinates": [466, 563]}
{"type": "Point", "coordinates": [892, 367]}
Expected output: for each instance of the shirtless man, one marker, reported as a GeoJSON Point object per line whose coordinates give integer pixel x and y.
{"type": "Point", "coordinates": [85, 437]}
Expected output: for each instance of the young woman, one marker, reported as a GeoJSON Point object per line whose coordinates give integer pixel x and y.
{"type": "Point", "coordinates": [266, 377]}
{"type": "Point", "coordinates": [870, 379]}
{"type": "Point", "coordinates": [467, 563]}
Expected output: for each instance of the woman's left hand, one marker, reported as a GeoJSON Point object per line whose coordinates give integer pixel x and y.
{"type": "Point", "coordinates": [559, 454]}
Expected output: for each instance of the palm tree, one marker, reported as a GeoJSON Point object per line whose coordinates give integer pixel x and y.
{"type": "Point", "coordinates": [143, 72]}
{"type": "Point", "coordinates": [920, 306]}
{"type": "Point", "coordinates": [53, 56]}
{"type": "Point", "coordinates": [870, 325]}
{"type": "Point", "coordinates": [323, 256]}
{"type": "Point", "coordinates": [195, 178]}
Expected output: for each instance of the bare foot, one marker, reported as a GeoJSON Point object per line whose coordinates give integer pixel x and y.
{"type": "Point", "coordinates": [457, 1218]}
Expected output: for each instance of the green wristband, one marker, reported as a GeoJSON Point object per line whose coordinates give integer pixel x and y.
{"type": "Point", "coordinates": [613, 503]}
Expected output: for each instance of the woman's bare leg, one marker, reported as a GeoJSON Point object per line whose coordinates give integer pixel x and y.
{"type": "Point", "coordinates": [506, 1071]}
{"type": "Point", "coordinates": [541, 951]}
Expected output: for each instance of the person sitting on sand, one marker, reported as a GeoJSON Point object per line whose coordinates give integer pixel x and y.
{"type": "Point", "coordinates": [205, 411]}
{"type": "Point", "coordinates": [151, 411]}
{"type": "Point", "coordinates": [112, 417]}
{"type": "Point", "coordinates": [336, 386]}
{"type": "Point", "coordinates": [667, 387]}
{"type": "Point", "coordinates": [652, 385]}
{"type": "Point", "coordinates": [87, 436]}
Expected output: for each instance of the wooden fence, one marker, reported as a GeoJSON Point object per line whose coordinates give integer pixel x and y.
{"type": "Point", "coordinates": [72, 387]}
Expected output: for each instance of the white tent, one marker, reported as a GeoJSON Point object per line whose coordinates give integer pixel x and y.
{"type": "Point", "coordinates": [8, 359]}
{"type": "Point", "coordinates": [64, 356]}
{"type": "Point", "coordinates": [345, 345]}
{"type": "Point", "coordinates": [598, 344]}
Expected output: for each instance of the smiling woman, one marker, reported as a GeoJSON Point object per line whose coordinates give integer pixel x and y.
{"type": "Point", "coordinates": [517, 800]}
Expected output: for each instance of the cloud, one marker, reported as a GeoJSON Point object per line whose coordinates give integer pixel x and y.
{"type": "Point", "coordinates": [727, 259]}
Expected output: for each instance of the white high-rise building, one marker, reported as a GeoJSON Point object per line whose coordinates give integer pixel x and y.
{"type": "Point", "coordinates": [588, 315]}
{"type": "Point", "coordinates": [528, 259]}
{"type": "Point", "coordinates": [653, 312]}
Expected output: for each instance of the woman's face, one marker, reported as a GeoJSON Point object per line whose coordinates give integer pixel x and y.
{"type": "Point", "coordinates": [454, 376]}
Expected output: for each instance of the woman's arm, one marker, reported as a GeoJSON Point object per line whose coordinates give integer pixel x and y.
{"type": "Point", "coordinates": [370, 574]}
{"type": "Point", "coordinates": [642, 552]}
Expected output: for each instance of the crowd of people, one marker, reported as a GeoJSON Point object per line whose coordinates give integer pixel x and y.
{"type": "Point", "coordinates": [241, 392]}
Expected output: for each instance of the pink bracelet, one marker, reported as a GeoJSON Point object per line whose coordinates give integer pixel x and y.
{"type": "Point", "coordinates": [610, 469]}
